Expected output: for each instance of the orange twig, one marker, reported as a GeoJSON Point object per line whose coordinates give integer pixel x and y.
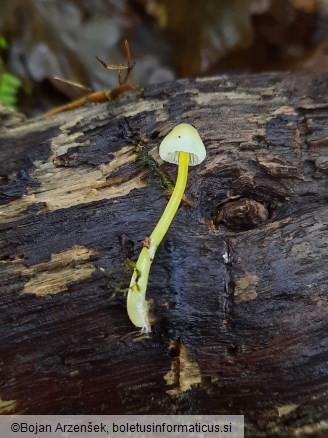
{"type": "Point", "coordinates": [102, 96]}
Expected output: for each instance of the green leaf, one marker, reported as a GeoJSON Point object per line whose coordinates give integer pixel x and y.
{"type": "Point", "coordinates": [9, 85]}
{"type": "Point", "coordinates": [3, 43]}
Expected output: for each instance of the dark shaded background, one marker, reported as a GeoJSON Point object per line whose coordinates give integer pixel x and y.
{"type": "Point", "coordinates": [168, 39]}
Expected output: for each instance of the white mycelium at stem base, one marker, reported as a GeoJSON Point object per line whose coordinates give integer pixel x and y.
{"type": "Point", "coordinates": [182, 146]}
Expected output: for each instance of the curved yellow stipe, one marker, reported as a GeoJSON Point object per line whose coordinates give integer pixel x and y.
{"type": "Point", "coordinates": [137, 305]}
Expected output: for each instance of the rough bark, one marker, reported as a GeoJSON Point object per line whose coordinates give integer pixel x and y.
{"type": "Point", "coordinates": [239, 283]}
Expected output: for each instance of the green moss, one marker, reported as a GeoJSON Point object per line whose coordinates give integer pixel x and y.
{"type": "Point", "coordinates": [154, 167]}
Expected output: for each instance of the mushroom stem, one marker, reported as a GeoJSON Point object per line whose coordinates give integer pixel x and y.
{"type": "Point", "coordinates": [137, 305]}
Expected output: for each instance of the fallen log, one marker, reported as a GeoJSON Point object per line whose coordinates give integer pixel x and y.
{"type": "Point", "coordinates": [239, 284]}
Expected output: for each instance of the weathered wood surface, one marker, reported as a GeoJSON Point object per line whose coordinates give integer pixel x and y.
{"type": "Point", "coordinates": [239, 284]}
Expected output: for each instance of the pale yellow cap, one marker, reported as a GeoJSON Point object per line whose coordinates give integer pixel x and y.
{"type": "Point", "coordinates": [183, 138]}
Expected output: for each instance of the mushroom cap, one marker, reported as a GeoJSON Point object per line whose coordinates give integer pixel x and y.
{"type": "Point", "coordinates": [183, 138]}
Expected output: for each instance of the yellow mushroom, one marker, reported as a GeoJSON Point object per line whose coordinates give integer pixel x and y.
{"type": "Point", "coordinates": [182, 146]}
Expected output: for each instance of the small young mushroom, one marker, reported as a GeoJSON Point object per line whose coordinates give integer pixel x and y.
{"type": "Point", "coordinates": [182, 146]}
